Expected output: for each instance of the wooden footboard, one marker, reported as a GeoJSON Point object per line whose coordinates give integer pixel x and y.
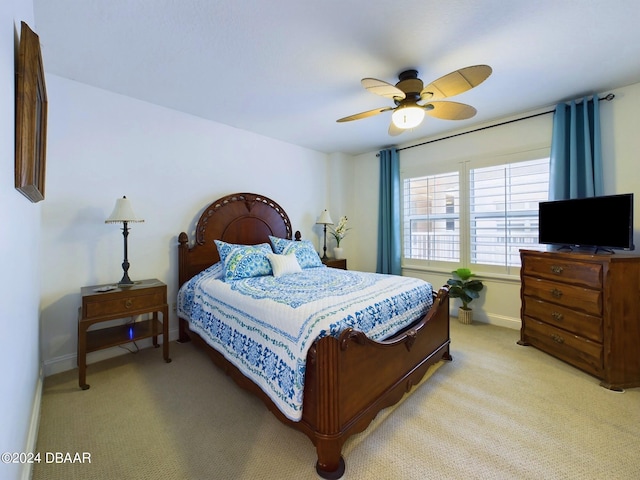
{"type": "Point", "coordinates": [350, 379]}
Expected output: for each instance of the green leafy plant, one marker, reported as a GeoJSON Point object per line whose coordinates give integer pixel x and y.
{"type": "Point", "coordinates": [464, 287]}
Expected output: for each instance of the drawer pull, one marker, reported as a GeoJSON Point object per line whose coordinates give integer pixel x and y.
{"type": "Point", "coordinates": [557, 316]}
{"type": "Point", "coordinates": [556, 293]}
{"type": "Point", "coordinates": [128, 303]}
{"type": "Point", "coordinates": [557, 269]}
{"type": "Point", "coordinates": [557, 338]}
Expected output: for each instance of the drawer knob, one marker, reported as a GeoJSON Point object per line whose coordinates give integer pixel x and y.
{"type": "Point", "coordinates": [556, 293]}
{"type": "Point", "coordinates": [557, 338]}
{"type": "Point", "coordinates": [128, 303]}
{"type": "Point", "coordinates": [557, 316]}
{"type": "Point", "coordinates": [557, 269]}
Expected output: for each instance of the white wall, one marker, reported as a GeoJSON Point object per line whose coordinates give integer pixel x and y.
{"type": "Point", "coordinates": [500, 302]}
{"type": "Point", "coordinates": [340, 198]}
{"type": "Point", "coordinates": [171, 166]}
{"type": "Point", "coordinates": [19, 255]}
{"type": "Point", "coordinates": [621, 146]}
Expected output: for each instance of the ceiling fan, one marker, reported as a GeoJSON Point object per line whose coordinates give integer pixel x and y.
{"type": "Point", "coordinates": [413, 100]}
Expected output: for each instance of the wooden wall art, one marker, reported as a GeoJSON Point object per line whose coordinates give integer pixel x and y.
{"type": "Point", "coordinates": [31, 117]}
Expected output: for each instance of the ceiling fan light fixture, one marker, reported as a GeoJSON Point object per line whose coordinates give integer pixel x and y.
{"type": "Point", "coordinates": [413, 100]}
{"type": "Point", "coordinates": [408, 117]}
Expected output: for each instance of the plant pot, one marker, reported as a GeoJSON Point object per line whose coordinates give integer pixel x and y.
{"type": "Point", "coordinates": [338, 252]}
{"type": "Point", "coordinates": [465, 316]}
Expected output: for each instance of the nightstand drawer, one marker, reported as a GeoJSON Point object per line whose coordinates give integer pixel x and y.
{"type": "Point", "coordinates": [122, 305]}
{"type": "Point", "coordinates": [336, 263]}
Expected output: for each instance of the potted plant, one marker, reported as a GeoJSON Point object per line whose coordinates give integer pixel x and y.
{"type": "Point", "coordinates": [466, 289]}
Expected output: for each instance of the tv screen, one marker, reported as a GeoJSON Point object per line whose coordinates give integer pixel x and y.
{"type": "Point", "coordinates": [604, 222]}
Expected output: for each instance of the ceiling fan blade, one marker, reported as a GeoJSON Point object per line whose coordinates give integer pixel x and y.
{"type": "Point", "coordinates": [395, 131]}
{"type": "Point", "coordinates": [382, 88]}
{"type": "Point", "coordinates": [450, 110]}
{"type": "Point", "coordinates": [368, 113]}
{"type": "Point", "coordinates": [456, 82]}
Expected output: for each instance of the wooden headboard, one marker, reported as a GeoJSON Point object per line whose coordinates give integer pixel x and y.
{"type": "Point", "coordinates": [242, 218]}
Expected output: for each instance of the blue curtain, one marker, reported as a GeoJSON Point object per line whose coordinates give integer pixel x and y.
{"type": "Point", "coordinates": [576, 153]}
{"type": "Point", "coordinates": [389, 214]}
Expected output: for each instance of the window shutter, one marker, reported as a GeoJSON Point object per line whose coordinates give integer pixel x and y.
{"type": "Point", "coordinates": [503, 210]}
{"type": "Point", "coordinates": [431, 217]}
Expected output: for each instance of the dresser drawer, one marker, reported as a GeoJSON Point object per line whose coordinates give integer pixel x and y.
{"type": "Point", "coordinates": [577, 351]}
{"type": "Point", "coordinates": [95, 307]}
{"type": "Point", "coordinates": [583, 299]}
{"type": "Point", "coordinates": [588, 326]}
{"type": "Point", "coordinates": [585, 274]}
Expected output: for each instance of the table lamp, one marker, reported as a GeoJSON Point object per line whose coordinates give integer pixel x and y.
{"type": "Point", "coordinates": [123, 213]}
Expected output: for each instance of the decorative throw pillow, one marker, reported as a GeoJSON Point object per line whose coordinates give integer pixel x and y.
{"type": "Point", "coordinates": [244, 261]}
{"type": "Point", "coordinates": [283, 264]}
{"type": "Point", "coordinates": [304, 251]}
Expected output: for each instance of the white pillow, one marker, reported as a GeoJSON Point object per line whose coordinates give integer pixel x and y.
{"type": "Point", "coordinates": [283, 264]}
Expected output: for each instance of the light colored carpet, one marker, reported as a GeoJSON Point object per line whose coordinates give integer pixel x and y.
{"type": "Point", "coordinates": [498, 411]}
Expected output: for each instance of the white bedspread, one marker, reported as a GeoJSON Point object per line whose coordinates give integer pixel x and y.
{"type": "Point", "coordinates": [266, 325]}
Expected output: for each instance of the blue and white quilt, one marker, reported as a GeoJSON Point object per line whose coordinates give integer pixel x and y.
{"type": "Point", "coordinates": [265, 325]}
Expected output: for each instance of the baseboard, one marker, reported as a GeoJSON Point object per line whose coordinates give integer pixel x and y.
{"type": "Point", "coordinates": [507, 322]}
{"type": "Point", "coordinates": [70, 361]}
{"type": "Point", "coordinates": [34, 423]}
{"type": "Point", "coordinates": [492, 319]}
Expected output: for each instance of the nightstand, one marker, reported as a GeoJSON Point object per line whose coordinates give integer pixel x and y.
{"type": "Point", "coordinates": [102, 305]}
{"type": "Point", "coordinates": [336, 263]}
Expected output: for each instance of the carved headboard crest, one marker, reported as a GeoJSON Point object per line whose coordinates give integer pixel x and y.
{"type": "Point", "coordinates": [243, 218]}
{"type": "Point", "coordinates": [250, 201]}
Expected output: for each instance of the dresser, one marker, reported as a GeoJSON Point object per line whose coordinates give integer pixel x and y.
{"type": "Point", "coordinates": [585, 310]}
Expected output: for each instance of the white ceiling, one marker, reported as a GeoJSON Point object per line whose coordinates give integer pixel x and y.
{"type": "Point", "coordinates": [287, 69]}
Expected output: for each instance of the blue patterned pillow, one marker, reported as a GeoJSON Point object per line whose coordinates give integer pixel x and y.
{"type": "Point", "coordinates": [304, 250]}
{"type": "Point", "coordinates": [244, 261]}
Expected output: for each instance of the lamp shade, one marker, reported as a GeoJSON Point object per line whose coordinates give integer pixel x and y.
{"type": "Point", "coordinates": [325, 218]}
{"type": "Point", "coordinates": [408, 117]}
{"type": "Point", "coordinates": [123, 212]}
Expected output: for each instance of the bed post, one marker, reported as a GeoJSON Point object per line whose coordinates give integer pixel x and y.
{"type": "Point", "coordinates": [183, 276]}
{"type": "Point", "coordinates": [328, 443]}
{"type": "Point", "coordinates": [183, 251]}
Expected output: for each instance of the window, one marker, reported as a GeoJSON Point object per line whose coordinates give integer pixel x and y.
{"type": "Point", "coordinates": [432, 217]}
{"type": "Point", "coordinates": [503, 210]}
{"type": "Point", "coordinates": [476, 214]}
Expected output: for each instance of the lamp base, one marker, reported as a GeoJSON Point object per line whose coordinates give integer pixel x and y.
{"type": "Point", "coordinates": [126, 281]}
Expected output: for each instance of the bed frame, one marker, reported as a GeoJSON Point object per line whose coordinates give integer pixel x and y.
{"type": "Point", "coordinates": [348, 379]}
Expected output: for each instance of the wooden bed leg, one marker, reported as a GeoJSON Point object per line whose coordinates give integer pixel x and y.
{"type": "Point", "coordinates": [183, 335]}
{"type": "Point", "coordinates": [330, 465]}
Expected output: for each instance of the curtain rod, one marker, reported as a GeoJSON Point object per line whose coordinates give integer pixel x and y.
{"type": "Point", "coordinates": [607, 97]}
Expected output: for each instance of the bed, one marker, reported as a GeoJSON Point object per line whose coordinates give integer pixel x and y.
{"type": "Point", "coordinates": [347, 377]}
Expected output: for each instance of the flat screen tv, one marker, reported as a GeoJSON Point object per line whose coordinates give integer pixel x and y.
{"type": "Point", "coordinates": [604, 222]}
